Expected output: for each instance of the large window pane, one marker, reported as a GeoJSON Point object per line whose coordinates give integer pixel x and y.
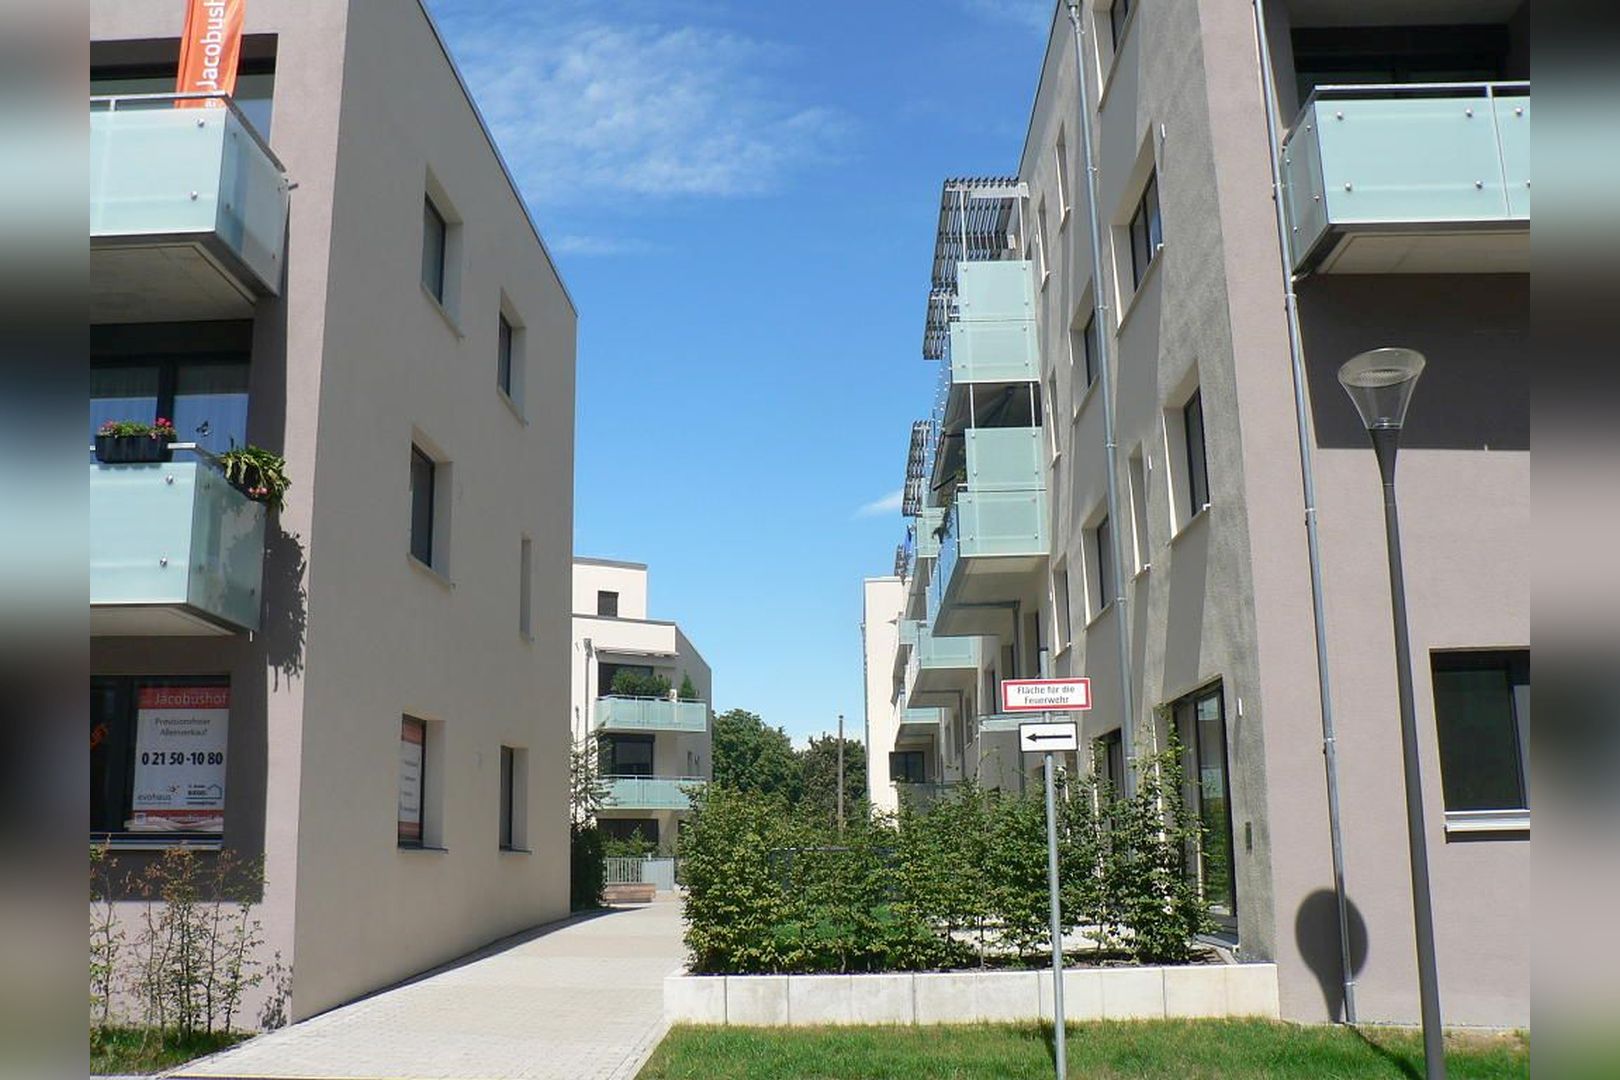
{"type": "Point", "coordinates": [433, 245]}
{"type": "Point", "coordinates": [123, 392]}
{"type": "Point", "coordinates": [627, 755]}
{"type": "Point", "coordinates": [1478, 700]}
{"type": "Point", "coordinates": [211, 405]}
{"type": "Point", "coordinates": [1106, 586]}
{"type": "Point", "coordinates": [422, 470]}
{"type": "Point", "coordinates": [1197, 461]}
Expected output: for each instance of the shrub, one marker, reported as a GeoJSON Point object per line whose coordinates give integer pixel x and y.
{"type": "Point", "coordinates": [688, 692]}
{"type": "Point", "coordinates": [635, 684]}
{"type": "Point", "coordinates": [258, 474]}
{"type": "Point", "coordinates": [585, 871]}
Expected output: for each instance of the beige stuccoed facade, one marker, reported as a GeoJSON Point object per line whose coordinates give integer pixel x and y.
{"type": "Point", "coordinates": [1214, 568]}
{"type": "Point", "coordinates": [418, 577]}
{"type": "Point", "coordinates": [650, 751]}
{"type": "Point", "coordinates": [882, 608]}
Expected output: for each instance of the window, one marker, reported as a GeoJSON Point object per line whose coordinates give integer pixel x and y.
{"type": "Point", "coordinates": [206, 398]}
{"type": "Point", "coordinates": [1147, 230]}
{"type": "Point", "coordinates": [1061, 152]}
{"type": "Point", "coordinates": [503, 357]}
{"type": "Point", "coordinates": [1102, 553]}
{"type": "Point", "coordinates": [1041, 242]}
{"type": "Point", "coordinates": [627, 755]}
{"type": "Point", "coordinates": [435, 245]}
{"type": "Point", "coordinates": [158, 754]}
{"type": "Point", "coordinates": [1192, 424]}
{"type": "Point", "coordinates": [907, 767]}
{"type": "Point", "coordinates": [423, 480]}
{"type": "Point", "coordinates": [514, 770]}
{"type": "Point", "coordinates": [1136, 469]}
{"type": "Point", "coordinates": [1119, 15]}
{"type": "Point", "coordinates": [413, 767]}
{"type": "Point", "coordinates": [1482, 717]}
{"type": "Point", "coordinates": [1084, 349]}
{"type": "Point", "coordinates": [1108, 759]}
{"type": "Point", "coordinates": [607, 604]}
{"type": "Point", "coordinates": [1064, 631]}
{"type": "Point", "coordinates": [1201, 725]}
{"type": "Point", "coordinates": [526, 587]}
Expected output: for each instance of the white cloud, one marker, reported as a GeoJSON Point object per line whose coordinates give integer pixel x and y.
{"type": "Point", "coordinates": [583, 244]}
{"type": "Point", "coordinates": [584, 107]}
{"type": "Point", "coordinates": [889, 504]}
{"type": "Point", "coordinates": [1034, 14]}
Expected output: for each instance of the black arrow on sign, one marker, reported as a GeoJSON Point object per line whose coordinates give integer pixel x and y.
{"type": "Point", "coordinates": [1037, 737]}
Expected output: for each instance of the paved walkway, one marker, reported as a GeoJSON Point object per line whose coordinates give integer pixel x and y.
{"type": "Point", "coordinates": [583, 1001]}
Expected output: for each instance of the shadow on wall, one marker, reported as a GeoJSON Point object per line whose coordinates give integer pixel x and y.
{"type": "Point", "coordinates": [1316, 932]}
{"type": "Point", "coordinates": [286, 598]}
{"type": "Point", "coordinates": [1472, 328]}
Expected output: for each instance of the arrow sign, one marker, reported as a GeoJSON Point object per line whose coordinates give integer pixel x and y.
{"type": "Point", "coordinates": [1049, 737]}
{"type": "Point", "coordinates": [1045, 695]}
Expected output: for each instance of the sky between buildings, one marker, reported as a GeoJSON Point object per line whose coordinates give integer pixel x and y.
{"type": "Point", "coordinates": [742, 197]}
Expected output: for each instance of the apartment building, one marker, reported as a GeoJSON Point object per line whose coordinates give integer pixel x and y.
{"type": "Point", "coordinates": [364, 687]}
{"type": "Point", "coordinates": [642, 697]}
{"type": "Point", "coordinates": [1120, 454]}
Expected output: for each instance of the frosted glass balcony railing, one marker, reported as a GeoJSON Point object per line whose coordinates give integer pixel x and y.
{"type": "Point", "coordinates": [921, 720]}
{"type": "Point", "coordinates": [945, 652]}
{"type": "Point", "coordinates": [649, 792]}
{"type": "Point", "coordinates": [650, 714]}
{"type": "Point", "coordinates": [987, 524]}
{"type": "Point", "coordinates": [174, 549]}
{"type": "Point", "coordinates": [1407, 159]}
{"type": "Point", "coordinates": [162, 175]}
{"type": "Point", "coordinates": [928, 523]}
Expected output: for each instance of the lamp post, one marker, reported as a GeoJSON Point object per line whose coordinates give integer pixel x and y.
{"type": "Point", "coordinates": [1380, 383]}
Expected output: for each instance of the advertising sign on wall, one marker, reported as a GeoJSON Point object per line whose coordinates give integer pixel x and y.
{"type": "Point", "coordinates": [180, 747]}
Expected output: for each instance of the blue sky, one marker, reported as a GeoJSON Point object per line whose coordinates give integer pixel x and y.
{"type": "Point", "coordinates": [741, 196]}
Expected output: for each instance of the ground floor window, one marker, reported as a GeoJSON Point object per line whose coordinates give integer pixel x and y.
{"type": "Point", "coordinates": [1109, 760]}
{"type": "Point", "coordinates": [1482, 719]}
{"type": "Point", "coordinates": [907, 767]}
{"type": "Point", "coordinates": [642, 829]}
{"type": "Point", "coordinates": [158, 750]}
{"type": "Point", "coordinates": [1200, 720]}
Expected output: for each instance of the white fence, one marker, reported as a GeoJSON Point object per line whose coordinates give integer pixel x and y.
{"type": "Point", "coordinates": [659, 873]}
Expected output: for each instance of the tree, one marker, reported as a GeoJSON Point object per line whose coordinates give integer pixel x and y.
{"type": "Point", "coordinates": [586, 789]}
{"type": "Point", "coordinates": [749, 755]}
{"type": "Point", "coordinates": [688, 691]}
{"type": "Point", "coordinates": [818, 770]}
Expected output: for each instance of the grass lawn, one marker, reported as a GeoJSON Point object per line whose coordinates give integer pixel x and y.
{"type": "Point", "coordinates": [142, 1050]}
{"type": "Point", "coordinates": [1193, 1049]}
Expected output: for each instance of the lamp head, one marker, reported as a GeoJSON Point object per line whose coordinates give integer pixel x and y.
{"type": "Point", "coordinates": [1380, 384]}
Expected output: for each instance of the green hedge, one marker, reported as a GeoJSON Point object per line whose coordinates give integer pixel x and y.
{"type": "Point", "coordinates": [770, 889]}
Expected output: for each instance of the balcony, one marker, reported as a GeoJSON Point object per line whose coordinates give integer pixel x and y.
{"type": "Point", "coordinates": [1410, 179]}
{"type": "Point", "coordinates": [922, 796]}
{"type": "Point", "coordinates": [188, 211]}
{"type": "Point", "coordinates": [942, 665]}
{"type": "Point", "coordinates": [174, 551]}
{"type": "Point", "coordinates": [650, 714]}
{"type": "Point", "coordinates": [915, 723]}
{"type": "Point", "coordinates": [649, 792]}
{"type": "Point", "coordinates": [906, 642]}
{"type": "Point", "coordinates": [991, 341]}
{"type": "Point", "coordinates": [928, 523]}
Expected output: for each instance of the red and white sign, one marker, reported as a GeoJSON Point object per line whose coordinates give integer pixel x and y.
{"type": "Point", "coordinates": [180, 742]}
{"type": "Point", "coordinates": [1045, 695]}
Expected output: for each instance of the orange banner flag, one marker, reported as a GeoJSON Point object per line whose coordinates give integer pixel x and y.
{"type": "Point", "coordinates": [210, 46]}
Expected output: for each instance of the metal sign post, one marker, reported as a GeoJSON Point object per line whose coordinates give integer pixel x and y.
{"type": "Point", "coordinates": [1046, 737]}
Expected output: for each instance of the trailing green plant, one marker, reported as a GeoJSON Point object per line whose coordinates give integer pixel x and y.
{"type": "Point", "coordinates": [257, 473]}
{"type": "Point", "coordinates": [635, 684]}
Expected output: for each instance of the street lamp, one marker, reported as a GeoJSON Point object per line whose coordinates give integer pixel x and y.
{"type": "Point", "coordinates": [1380, 383]}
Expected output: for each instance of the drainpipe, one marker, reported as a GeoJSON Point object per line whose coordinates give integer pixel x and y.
{"type": "Point", "coordinates": [1296, 353]}
{"type": "Point", "coordinates": [1127, 694]}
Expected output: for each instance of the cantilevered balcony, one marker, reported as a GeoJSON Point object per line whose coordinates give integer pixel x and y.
{"type": "Point", "coordinates": [995, 540]}
{"type": "Point", "coordinates": [920, 722]}
{"type": "Point", "coordinates": [649, 792]}
{"type": "Point", "coordinates": [188, 210]}
{"type": "Point", "coordinates": [941, 666]}
{"type": "Point", "coordinates": [1410, 178]}
{"type": "Point", "coordinates": [991, 343]}
{"type": "Point", "coordinates": [650, 714]}
{"type": "Point", "coordinates": [174, 550]}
